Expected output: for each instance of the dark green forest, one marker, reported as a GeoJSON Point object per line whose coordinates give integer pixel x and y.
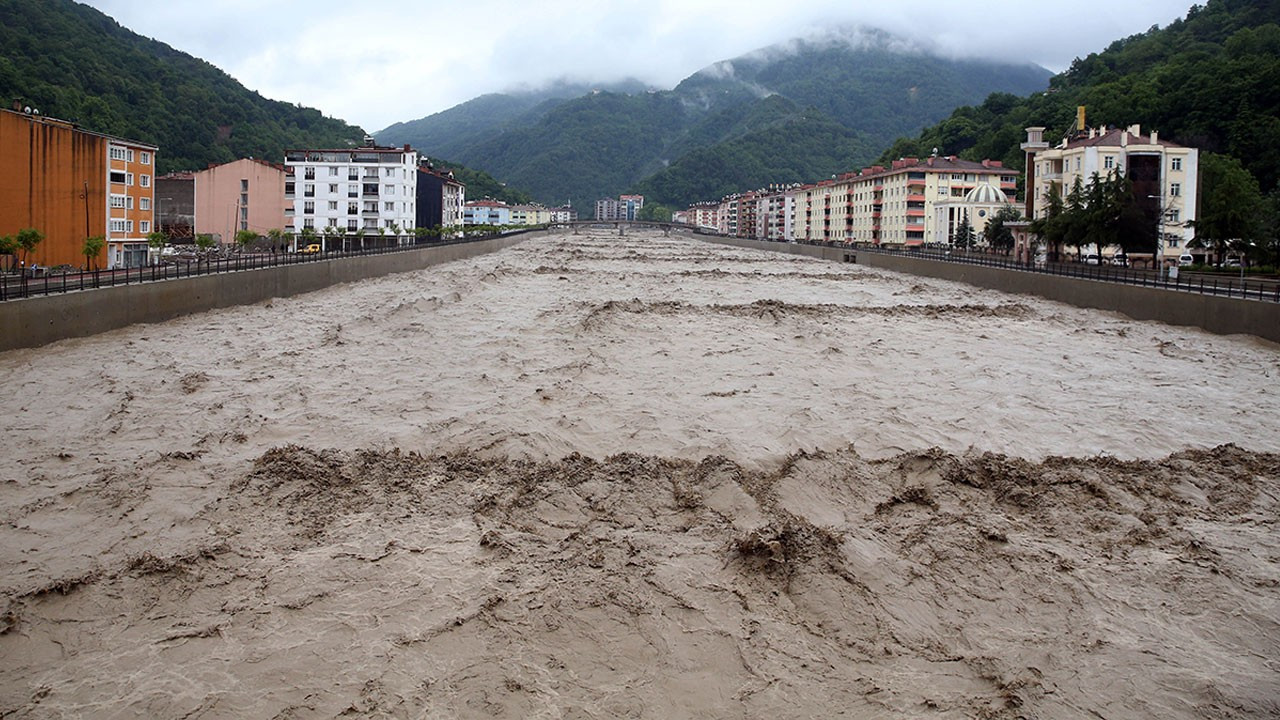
{"type": "Point", "coordinates": [858, 94]}
{"type": "Point", "coordinates": [75, 63]}
{"type": "Point", "coordinates": [1210, 80]}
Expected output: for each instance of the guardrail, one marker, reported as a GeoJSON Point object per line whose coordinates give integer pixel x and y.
{"type": "Point", "coordinates": [1194, 282]}
{"type": "Point", "coordinates": [14, 287]}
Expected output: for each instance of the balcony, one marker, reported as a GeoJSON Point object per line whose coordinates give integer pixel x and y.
{"type": "Point", "coordinates": [915, 227]}
{"type": "Point", "coordinates": [915, 212]}
{"type": "Point", "coordinates": [915, 198]}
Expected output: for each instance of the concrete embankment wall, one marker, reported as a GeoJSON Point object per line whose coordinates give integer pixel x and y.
{"type": "Point", "coordinates": [37, 321]}
{"type": "Point", "coordinates": [1222, 315]}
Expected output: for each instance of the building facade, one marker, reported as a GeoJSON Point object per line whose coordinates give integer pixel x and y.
{"type": "Point", "coordinates": [898, 205]}
{"type": "Point", "coordinates": [441, 199]}
{"type": "Point", "coordinates": [244, 194]}
{"type": "Point", "coordinates": [486, 212]}
{"type": "Point", "coordinates": [72, 184]}
{"type": "Point", "coordinates": [369, 192]}
{"type": "Point", "coordinates": [1165, 175]}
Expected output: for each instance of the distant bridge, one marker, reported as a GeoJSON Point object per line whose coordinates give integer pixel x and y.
{"type": "Point", "coordinates": [623, 225]}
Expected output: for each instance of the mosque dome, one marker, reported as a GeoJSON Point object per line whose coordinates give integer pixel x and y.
{"type": "Point", "coordinates": [984, 193]}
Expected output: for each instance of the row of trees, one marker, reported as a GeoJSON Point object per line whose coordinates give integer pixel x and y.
{"type": "Point", "coordinates": [26, 240]}
{"type": "Point", "coordinates": [1103, 213]}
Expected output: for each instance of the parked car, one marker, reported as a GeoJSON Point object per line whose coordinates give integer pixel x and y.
{"type": "Point", "coordinates": [1186, 260]}
{"type": "Point", "coordinates": [1231, 262]}
{"type": "Point", "coordinates": [1120, 259]}
{"type": "Point", "coordinates": [310, 249]}
{"type": "Point", "coordinates": [1092, 259]}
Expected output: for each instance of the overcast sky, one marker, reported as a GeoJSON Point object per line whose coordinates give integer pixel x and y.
{"type": "Point", "coordinates": [376, 62]}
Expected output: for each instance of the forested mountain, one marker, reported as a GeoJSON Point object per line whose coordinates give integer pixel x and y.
{"type": "Point", "coordinates": [72, 62]}
{"type": "Point", "coordinates": [452, 131]}
{"type": "Point", "coordinates": [1210, 80]}
{"type": "Point", "coordinates": [856, 91]}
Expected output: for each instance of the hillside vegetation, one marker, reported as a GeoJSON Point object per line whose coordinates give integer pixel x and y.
{"type": "Point", "coordinates": [797, 111]}
{"type": "Point", "coordinates": [1210, 80]}
{"type": "Point", "coordinates": [72, 62]}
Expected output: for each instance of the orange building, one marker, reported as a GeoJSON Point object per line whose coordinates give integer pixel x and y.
{"type": "Point", "coordinates": [71, 184]}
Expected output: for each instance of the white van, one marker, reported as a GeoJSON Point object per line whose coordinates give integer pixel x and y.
{"type": "Point", "coordinates": [1186, 260]}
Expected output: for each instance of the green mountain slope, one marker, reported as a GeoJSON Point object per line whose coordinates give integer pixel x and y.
{"type": "Point", "coordinates": [787, 145]}
{"type": "Point", "coordinates": [453, 131]}
{"type": "Point", "coordinates": [866, 80]}
{"type": "Point", "coordinates": [1210, 80]}
{"type": "Point", "coordinates": [72, 62]}
{"type": "Point", "coordinates": [604, 143]}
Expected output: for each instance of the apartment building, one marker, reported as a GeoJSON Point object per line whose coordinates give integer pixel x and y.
{"type": "Point", "coordinates": [486, 212]}
{"type": "Point", "coordinates": [441, 199]}
{"type": "Point", "coordinates": [1164, 174]}
{"type": "Point", "coordinates": [246, 194]}
{"type": "Point", "coordinates": [626, 207]}
{"type": "Point", "coordinates": [71, 184]}
{"type": "Point", "coordinates": [369, 191]}
{"type": "Point", "coordinates": [912, 202]}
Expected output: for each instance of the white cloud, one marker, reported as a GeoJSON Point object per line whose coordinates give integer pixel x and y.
{"type": "Point", "coordinates": [383, 61]}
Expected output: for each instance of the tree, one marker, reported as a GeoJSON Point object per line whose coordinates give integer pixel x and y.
{"type": "Point", "coordinates": [1051, 226]}
{"type": "Point", "coordinates": [1230, 205]}
{"type": "Point", "coordinates": [204, 241]}
{"type": "Point", "coordinates": [92, 247]}
{"type": "Point", "coordinates": [1075, 223]}
{"type": "Point", "coordinates": [965, 237]}
{"type": "Point", "coordinates": [276, 236]}
{"type": "Point", "coordinates": [245, 237]}
{"type": "Point", "coordinates": [27, 240]}
{"type": "Point", "coordinates": [9, 246]}
{"type": "Point", "coordinates": [996, 233]}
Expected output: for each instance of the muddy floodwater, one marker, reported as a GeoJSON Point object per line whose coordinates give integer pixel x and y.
{"type": "Point", "coordinates": [594, 476]}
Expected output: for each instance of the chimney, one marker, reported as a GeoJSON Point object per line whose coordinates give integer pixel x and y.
{"type": "Point", "coordinates": [986, 162]}
{"type": "Point", "coordinates": [406, 147]}
{"type": "Point", "coordinates": [1092, 133]}
{"type": "Point", "coordinates": [1124, 138]}
{"type": "Point", "coordinates": [1155, 138]}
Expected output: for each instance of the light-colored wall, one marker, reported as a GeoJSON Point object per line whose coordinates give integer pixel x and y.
{"type": "Point", "coordinates": [218, 197]}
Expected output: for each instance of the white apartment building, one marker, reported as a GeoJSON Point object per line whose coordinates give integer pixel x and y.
{"type": "Point", "coordinates": [370, 191]}
{"type": "Point", "coordinates": [1164, 174]}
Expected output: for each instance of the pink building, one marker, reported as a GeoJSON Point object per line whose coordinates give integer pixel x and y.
{"type": "Point", "coordinates": [243, 194]}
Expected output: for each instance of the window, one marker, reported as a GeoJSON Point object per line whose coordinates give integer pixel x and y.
{"type": "Point", "coordinates": [1173, 240]}
{"type": "Point", "coordinates": [144, 226]}
{"type": "Point", "coordinates": [128, 178]}
{"type": "Point", "coordinates": [128, 226]}
{"type": "Point", "coordinates": [117, 153]}
{"type": "Point", "coordinates": [144, 203]}
{"type": "Point", "coordinates": [390, 189]}
{"type": "Point", "coordinates": [333, 188]}
{"type": "Point", "coordinates": [129, 154]}
{"type": "Point", "coordinates": [117, 226]}
{"type": "Point", "coordinates": [117, 201]}
{"type": "Point", "coordinates": [388, 223]}
{"type": "Point", "coordinates": [1077, 163]}
{"type": "Point", "coordinates": [244, 185]}
{"type": "Point", "coordinates": [117, 177]}
{"type": "Point", "coordinates": [128, 202]}
{"type": "Point", "coordinates": [1175, 189]}
{"type": "Point", "coordinates": [308, 190]}
{"type": "Point", "coordinates": [353, 225]}
{"type": "Point", "coordinates": [333, 205]}
{"type": "Point", "coordinates": [309, 173]}
{"type": "Point", "coordinates": [1175, 215]}
{"type": "Point", "coordinates": [309, 223]}
{"type": "Point", "coordinates": [146, 158]}
{"type": "Point", "coordinates": [353, 208]}
{"type": "Point", "coordinates": [389, 207]}
{"type": "Point", "coordinates": [309, 208]}
{"type": "Point", "coordinates": [353, 191]}
{"type": "Point", "coordinates": [1108, 162]}
{"type": "Point", "coordinates": [390, 172]}
{"type": "Point", "coordinates": [333, 171]}
{"type": "Point", "coordinates": [1175, 164]}
{"type": "Point", "coordinates": [144, 180]}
